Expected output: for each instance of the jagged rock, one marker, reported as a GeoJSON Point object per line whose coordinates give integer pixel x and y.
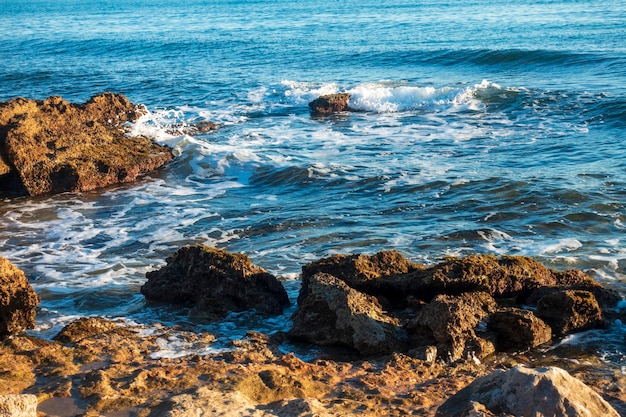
{"type": "Point", "coordinates": [22, 405]}
{"type": "Point", "coordinates": [18, 300]}
{"type": "Point", "coordinates": [330, 103]}
{"type": "Point", "coordinates": [379, 275]}
{"type": "Point", "coordinates": [507, 276]}
{"type": "Point", "coordinates": [332, 313]}
{"type": "Point", "coordinates": [518, 329]}
{"type": "Point", "coordinates": [216, 282]}
{"type": "Point", "coordinates": [54, 146]}
{"type": "Point", "coordinates": [570, 310]}
{"type": "Point", "coordinates": [540, 392]}
{"type": "Point", "coordinates": [451, 320]}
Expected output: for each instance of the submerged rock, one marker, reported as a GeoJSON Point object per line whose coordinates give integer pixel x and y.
{"type": "Point", "coordinates": [330, 103]}
{"type": "Point", "coordinates": [54, 146]}
{"type": "Point", "coordinates": [18, 300]}
{"type": "Point", "coordinates": [332, 313]}
{"type": "Point", "coordinates": [214, 281]}
{"type": "Point", "coordinates": [548, 391]}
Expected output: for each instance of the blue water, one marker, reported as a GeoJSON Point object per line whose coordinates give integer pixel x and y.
{"type": "Point", "coordinates": [486, 126]}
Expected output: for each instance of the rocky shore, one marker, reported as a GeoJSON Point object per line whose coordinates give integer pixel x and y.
{"type": "Point", "coordinates": [470, 336]}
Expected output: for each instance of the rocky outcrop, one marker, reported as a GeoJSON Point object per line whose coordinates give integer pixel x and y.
{"type": "Point", "coordinates": [24, 405]}
{"type": "Point", "coordinates": [570, 310]}
{"type": "Point", "coordinates": [330, 103]}
{"type": "Point", "coordinates": [380, 275]}
{"type": "Point", "coordinates": [18, 300]}
{"type": "Point", "coordinates": [54, 146]}
{"type": "Point", "coordinates": [451, 321]}
{"type": "Point", "coordinates": [518, 329]}
{"type": "Point", "coordinates": [215, 282]}
{"type": "Point", "coordinates": [332, 313]}
{"type": "Point", "coordinates": [548, 391]}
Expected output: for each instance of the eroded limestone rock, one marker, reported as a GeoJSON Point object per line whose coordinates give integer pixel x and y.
{"type": "Point", "coordinates": [18, 300]}
{"type": "Point", "coordinates": [331, 103]}
{"type": "Point", "coordinates": [53, 146]}
{"type": "Point", "coordinates": [216, 282]}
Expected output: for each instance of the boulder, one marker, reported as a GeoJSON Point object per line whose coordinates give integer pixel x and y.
{"type": "Point", "coordinates": [54, 146]}
{"type": "Point", "coordinates": [379, 275]}
{"type": "Point", "coordinates": [331, 103]}
{"type": "Point", "coordinates": [521, 391]}
{"type": "Point", "coordinates": [507, 276]}
{"type": "Point", "coordinates": [215, 282]}
{"type": "Point", "coordinates": [570, 310]}
{"type": "Point", "coordinates": [18, 405]}
{"type": "Point", "coordinates": [332, 313]}
{"type": "Point", "coordinates": [518, 329]}
{"type": "Point", "coordinates": [18, 300]}
{"type": "Point", "coordinates": [451, 320]}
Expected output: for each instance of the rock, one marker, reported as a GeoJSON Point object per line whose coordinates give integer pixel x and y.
{"type": "Point", "coordinates": [548, 391]}
{"type": "Point", "coordinates": [451, 320]}
{"type": "Point", "coordinates": [24, 405]}
{"type": "Point", "coordinates": [379, 275]}
{"type": "Point", "coordinates": [518, 329]}
{"type": "Point", "coordinates": [331, 103]}
{"type": "Point", "coordinates": [18, 300]}
{"type": "Point", "coordinates": [332, 313]}
{"type": "Point", "coordinates": [570, 310]}
{"type": "Point", "coordinates": [53, 146]}
{"type": "Point", "coordinates": [505, 277]}
{"type": "Point", "coordinates": [216, 282]}
{"type": "Point", "coordinates": [85, 327]}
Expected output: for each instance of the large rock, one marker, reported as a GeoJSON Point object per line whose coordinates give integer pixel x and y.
{"type": "Point", "coordinates": [216, 282]}
{"type": "Point", "coordinates": [53, 146]}
{"type": "Point", "coordinates": [570, 310]}
{"type": "Point", "coordinates": [330, 103]}
{"type": "Point", "coordinates": [332, 313]}
{"type": "Point", "coordinates": [518, 329]}
{"type": "Point", "coordinates": [380, 275]}
{"type": "Point", "coordinates": [541, 392]}
{"type": "Point", "coordinates": [18, 300]}
{"type": "Point", "coordinates": [24, 405]}
{"type": "Point", "coordinates": [452, 320]}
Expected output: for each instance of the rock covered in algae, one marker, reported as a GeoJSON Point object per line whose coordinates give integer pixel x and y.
{"type": "Point", "coordinates": [214, 281]}
{"type": "Point", "coordinates": [18, 300]}
{"type": "Point", "coordinates": [53, 146]}
{"type": "Point", "coordinates": [330, 103]}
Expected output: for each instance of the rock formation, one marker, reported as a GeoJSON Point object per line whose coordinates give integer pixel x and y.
{"type": "Point", "coordinates": [521, 391]}
{"type": "Point", "coordinates": [330, 312]}
{"type": "Point", "coordinates": [24, 405]}
{"type": "Point", "coordinates": [570, 310]}
{"type": "Point", "coordinates": [215, 282]}
{"type": "Point", "coordinates": [18, 300]}
{"type": "Point", "coordinates": [53, 146]}
{"type": "Point", "coordinates": [331, 103]}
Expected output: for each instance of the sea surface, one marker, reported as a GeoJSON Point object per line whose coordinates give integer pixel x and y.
{"type": "Point", "coordinates": [484, 127]}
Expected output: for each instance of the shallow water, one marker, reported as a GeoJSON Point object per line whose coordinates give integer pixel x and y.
{"type": "Point", "coordinates": [483, 127]}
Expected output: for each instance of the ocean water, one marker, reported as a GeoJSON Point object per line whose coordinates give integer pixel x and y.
{"type": "Point", "coordinates": [484, 127]}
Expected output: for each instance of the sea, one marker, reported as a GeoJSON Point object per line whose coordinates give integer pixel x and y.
{"type": "Point", "coordinates": [482, 126]}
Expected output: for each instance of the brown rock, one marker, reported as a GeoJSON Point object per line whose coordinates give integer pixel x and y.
{"type": "Point", "coordinates": [18, 300]}
{"type": "Point", "coordinates": [379, 274]}
{"type": "Point", "coordinates": [331, 103]}
{"type": "Point", "coordinates": [523, 391]}
{"type": "Point", "coordinates": [216, 282]}
{"type": "Point", "coordinates": [53, 146]}
{"type": "Point", "coordinates": [570, 310]}
{"type": "Point", "coordinates": [85, 327]}
{"type": "Point", "coordinates": [518, 329]}
{"type": "Point", "coordinates": [451, 321]}
{"type": "Point", "coordinates": [332, 313]}
{"type": "Point", "coordinates": [507, 276]}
